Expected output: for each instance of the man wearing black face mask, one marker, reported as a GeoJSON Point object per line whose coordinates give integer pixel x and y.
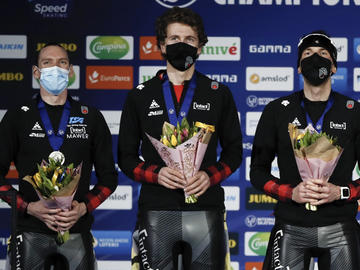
{"type": "Point", "coordinates": [167, 226]}
{"type": "Point", "coordinates": [331, 233]}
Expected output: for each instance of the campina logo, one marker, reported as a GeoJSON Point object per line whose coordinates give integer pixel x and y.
{"type": "Point", "coordinates": [173, 3]}
{"type": "Point", "coordinates": [109, 47]}
{"type": "Point", "coordinates": [256, 243]}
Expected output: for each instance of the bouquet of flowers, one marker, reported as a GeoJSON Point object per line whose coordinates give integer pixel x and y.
{"type": "Point", "coordinates": [56, 185]}
{"type": "Point", "coordinates": [183, 147]}
{"type": "Point", "coordinates": [316, 154]}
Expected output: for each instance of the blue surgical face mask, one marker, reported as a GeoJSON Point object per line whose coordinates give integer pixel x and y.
{"type": "Point", "coordinates": [54, 79]}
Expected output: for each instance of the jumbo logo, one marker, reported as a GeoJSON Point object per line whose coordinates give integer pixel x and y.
{"type": "Point", "coordinates": [109, 47]}
{"type": "Point", "coordinates": [70, 47]}
{"type": "Point", "coordinates": [257, 200]}
{"type": "Point", "coordinates": [11, 76]}
{"type": "Point", "coordinates": [173, 3]}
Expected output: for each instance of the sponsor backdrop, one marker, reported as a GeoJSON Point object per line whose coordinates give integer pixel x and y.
{"type": "Point", "coordinates": [252, 48]}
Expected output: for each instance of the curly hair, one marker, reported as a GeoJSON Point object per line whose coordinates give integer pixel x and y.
{"type": "Point", "coordinates": [180, 15]}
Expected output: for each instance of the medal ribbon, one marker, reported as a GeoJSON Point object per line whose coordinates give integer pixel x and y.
{"type": "Point", "coordinates": [319, 123]}
{"type": "Point", "coordinates": [173, 118]}
{"type": "Point", "coordinates": [55, 140]}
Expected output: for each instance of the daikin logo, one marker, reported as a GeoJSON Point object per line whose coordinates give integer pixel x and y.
{"type": "Point", "coordinates": [109, 47]}
{"type": "Point", "coordinates": [173, 3]}
{"type": "Point", "coordinates": [12, 46]}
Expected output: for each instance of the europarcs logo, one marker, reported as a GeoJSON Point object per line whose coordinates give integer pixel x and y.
{"type": "Point", "coordinates": [173, 3]}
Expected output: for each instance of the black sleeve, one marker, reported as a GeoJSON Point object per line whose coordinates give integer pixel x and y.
{"type": "Point", "coordinates": [230, 138]}
{"type": "Point", "coordinates": [103, 163]}
{"type": "Point", "coordinates": [263, 154]}
{"type": "Point", "coordinates": [8, 150]}
{"type": "Point", "coordinates": [355, 185]}
{"type": "Point", "coordinates": [129, 143]}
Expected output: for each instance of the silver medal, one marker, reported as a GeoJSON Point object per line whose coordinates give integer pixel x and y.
{"type": "Point", "coordinates": [57, 156]}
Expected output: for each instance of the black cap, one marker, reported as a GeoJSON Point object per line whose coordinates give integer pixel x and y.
{"type": "Point", "coordinates": [317, 40]}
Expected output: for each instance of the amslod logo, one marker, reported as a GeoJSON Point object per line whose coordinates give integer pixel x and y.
{"type": "Point", "coordinates": [256, 243]}
{"type": "Point", "coordinates": [109, 47]}
{"type": "Point", "coordinates": [173, 3]}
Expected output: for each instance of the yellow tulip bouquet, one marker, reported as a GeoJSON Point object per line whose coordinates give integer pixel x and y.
{"type": "Point", "coordinates": [182, 147]}
{"type": "Point", "coordinates": [316, 154]}
{"type": "Point", "coordinates": [56, 185]}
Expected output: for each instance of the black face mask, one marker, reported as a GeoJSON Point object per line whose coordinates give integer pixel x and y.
{"type": "Point", "coordinates": [181, 55]}
{"type": "Point", "coordinates": [316, 69]}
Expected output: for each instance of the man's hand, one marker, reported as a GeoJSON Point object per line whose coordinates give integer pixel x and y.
{"type": "Point", "coordinates": [66, 219]}
{"type": "Point", "coordinates": [326, 192]}
{"type": "Point", "coordinates": [170, 178]}
{"type": "Point", "coordinates": [302, 194]}
{"type": "Point", "coordinates": [198, 184]}
{"type": "Point", "coordinates": [316, 192]}
{"type": "Point", "coordinates": [46, 215]}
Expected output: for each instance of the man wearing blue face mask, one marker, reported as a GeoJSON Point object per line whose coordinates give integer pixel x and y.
{"type": "Point", "coordinates": [53, 125]}
{"type": "Point", "coordinates": [331, 233]}
{"type": "Point", "coordinates": [167, 226]}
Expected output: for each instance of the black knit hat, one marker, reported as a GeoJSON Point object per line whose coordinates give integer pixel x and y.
{"type": "Point", "coordinates": [317, 39]}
